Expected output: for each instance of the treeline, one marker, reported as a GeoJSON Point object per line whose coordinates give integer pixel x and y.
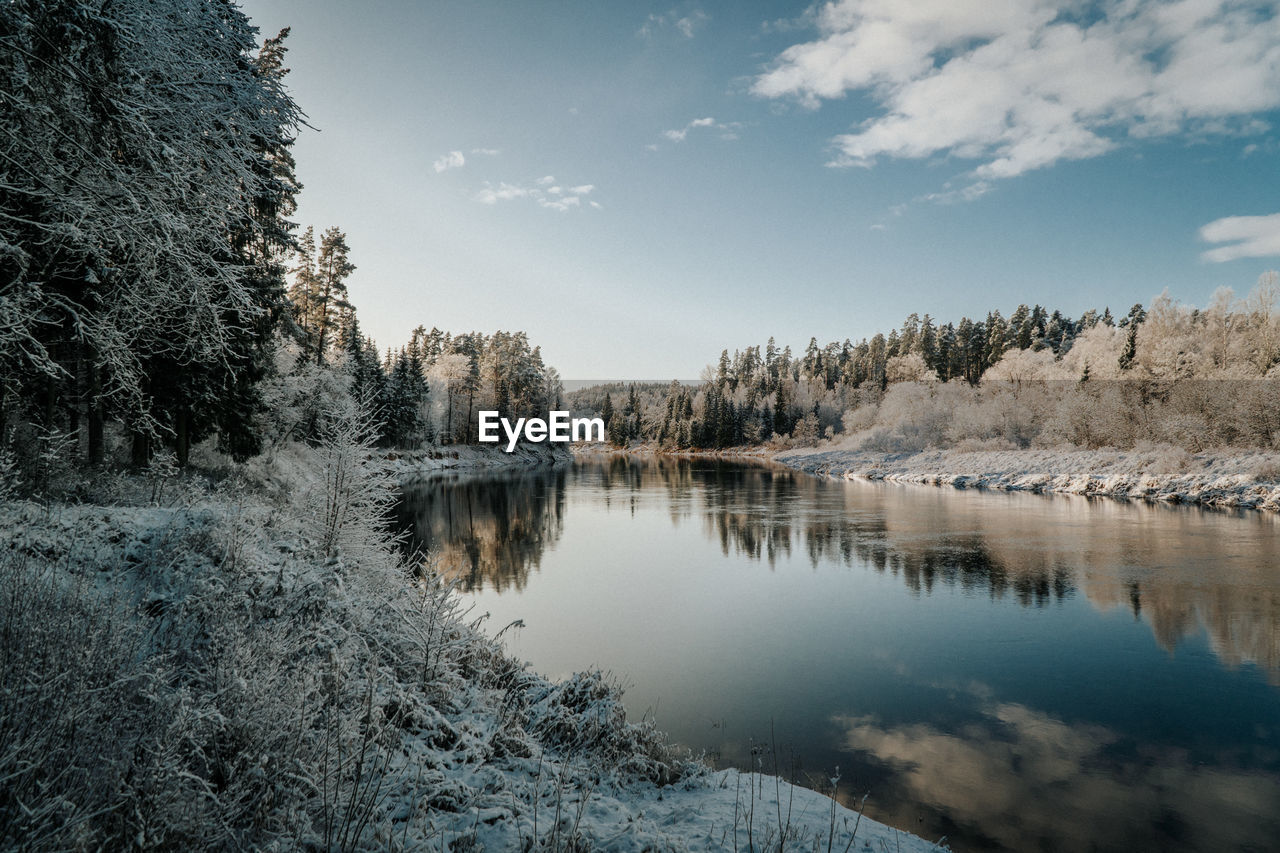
{"type": "Point", "coordinates": [428, 391]}
{"type": "Point", "coordinates": [152, 286]}
{"type": "Point", "coordinates": [766, 394]}
{"type": "Point", "coordinates": [431, 390]}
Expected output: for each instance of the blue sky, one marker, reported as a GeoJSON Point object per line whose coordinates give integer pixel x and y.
{"type": "Point", "coordinates": [640, 185]}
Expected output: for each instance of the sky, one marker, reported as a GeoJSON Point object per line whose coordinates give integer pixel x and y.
{"type": "Point", "coordinates": [640, 185]}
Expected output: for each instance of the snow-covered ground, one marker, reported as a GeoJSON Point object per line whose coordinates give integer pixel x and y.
{"type": "Point", "coordinates": [1230, 478]}
{"type": "Point", "coordinates": [229, 684]}
{"type": "Point", "coordinates": [410, 465]}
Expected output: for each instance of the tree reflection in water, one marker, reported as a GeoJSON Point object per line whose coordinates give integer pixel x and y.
{"type": "Point", "coordinates": [485, 531]}
{"type": "Point", "coordinates": [491, 530]}
{"type": "Point", "coordinates": [957, 653]}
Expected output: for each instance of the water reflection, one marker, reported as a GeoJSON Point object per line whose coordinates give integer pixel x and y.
{"type": "Point", "coordinates": [1019, 779]}
{"type": "Point", "coordinates": [485, 531]}
{"type": "Point", "coordinates": [1012, 671]}
{"type": "Point", "coordinates": [1156, 561]}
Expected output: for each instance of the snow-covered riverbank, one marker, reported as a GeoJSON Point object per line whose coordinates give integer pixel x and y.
{"type": "Point", "coordinates": [1246, 479]}
{"type": "Point", "coordinates": [202, 674]}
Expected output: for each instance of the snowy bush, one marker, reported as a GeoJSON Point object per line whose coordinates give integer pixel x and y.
{"type": "Point", "coordinates": [218, 675]}
{"type": "Point", "coordinates": [348, 509]}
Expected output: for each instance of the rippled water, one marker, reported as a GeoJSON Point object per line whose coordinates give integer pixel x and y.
{"type": "Point", "coordinates": [1012, 671]}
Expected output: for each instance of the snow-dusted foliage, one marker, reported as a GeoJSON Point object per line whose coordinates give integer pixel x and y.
{"type": "Point", "coordinates": [232, 674]}
{"type": "Point", "coordinates": [1193, 377]}
{"type": "Point", "coordinates": [1148, 471]}
{"type": "Point", "coordinates": [349, 506]}
{"type": "Point", "coordinates": [146, 168]}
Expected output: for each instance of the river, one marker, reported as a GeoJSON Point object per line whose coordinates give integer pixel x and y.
{"type": "Point", "coordinates": [1012, 671]}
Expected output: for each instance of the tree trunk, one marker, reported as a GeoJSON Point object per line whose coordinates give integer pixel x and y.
{"type": "Point", "coordinates": [77, 395]}
{"type": "Point", "coordinates": [95, 433]}
{"type": "Point", "coordinates": [181, 437]}
{"type": "Point", "coordinates": [50, 404]}
{"type": "Point", "coordinates": [141, 452]}
{"type": "Point", "coordinates": [94, 401]}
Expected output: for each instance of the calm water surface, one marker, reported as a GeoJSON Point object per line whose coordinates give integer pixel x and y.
{"type": "Point", "coordinates": [1012, 671]}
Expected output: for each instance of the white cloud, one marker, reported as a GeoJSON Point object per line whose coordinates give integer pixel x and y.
{"type": "Point", "coordinates": [544, 192]}
{"type": "Point", "coordinates": [1246, 236]}
{"type": "Point", "coordinates": [502, 192]}
{"type": "Point", "coordinates": [1046, 778]}
{"type": "Point", "coordinates": [685, 24]}
{"type": "Point", "coordinates": [678, 135]}
{"type": "Point", "coordinates": [689, 23]}
{"type": "Point", "coordinates": [560, 204]}
{"type": "Point", "coordinates": [969, 192]}
{"type": "Point", "coordinates": [1023, 84]}
{"type": "Point", "coordinates": [452, 160]}
{"type": "Point", "coordinates": [486, 152]}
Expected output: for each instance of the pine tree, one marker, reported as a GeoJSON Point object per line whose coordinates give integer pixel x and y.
{"type": "Point", "coordinates": [332, 270]}
{"type": "Point", "coordinates": [997, 339]}
{"type": "Point", "coordinates": [929, 343]}
{"type": "Point", "coordinates": [610, 421]}
{"type": "Point", "coordinates": [1130, 347]}
{"type": "Point", "coordinates": [1020, 328]}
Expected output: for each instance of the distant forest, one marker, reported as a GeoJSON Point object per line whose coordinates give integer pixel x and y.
{"type": "Point", "coordinates": [1167, 374]}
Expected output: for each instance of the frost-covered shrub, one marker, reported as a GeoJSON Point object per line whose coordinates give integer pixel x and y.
{"type": "Point", "coordinates": [1267, 471]}
{"type": "Point", "coordinates": [583, 716]}
{"type": "Point", "coordinates": [860, 419]}
{"type": "Point", "coordinates": [349, 507]}
{"type": "Point", "coordinates": [1162, 459]}
{"type": "Point", "coordinates": [1190, 430]}
{"type": "Point", "coordinates": [10, 476]}
{"type": "Point", "coordinates": [91, 722]}
{"type": "Point", "coordinates": [911, 418]}
{"type": "Point", "coordinates": [805, 433]}
{"type": "Point", "coordinates": [42, 461]}
{"type": "Point", "coordinates": [908, 368]}
{"type": "Point", "coordinates": [302, 398]}
{"type": "Point", "coordinates": [982, 445]}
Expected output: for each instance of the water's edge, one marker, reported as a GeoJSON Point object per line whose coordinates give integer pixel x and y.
{"type": "Point", "coordinates": [707, 811]}
{"type": "Point", "coordinates": [1218, 479]}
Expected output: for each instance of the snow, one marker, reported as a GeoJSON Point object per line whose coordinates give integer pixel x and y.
{"type": "Point", "coordinates": [1227, 478]}
{"type": "Point", "coordinates": [725, 810]}
{"type": "Point", "coordinates": [264, 666]}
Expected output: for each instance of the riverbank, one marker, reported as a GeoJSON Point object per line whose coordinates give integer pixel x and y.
{"type": "Point", "coordinates": [188, 664]}
{"type": "Point", "coordinates": [1228, 479]}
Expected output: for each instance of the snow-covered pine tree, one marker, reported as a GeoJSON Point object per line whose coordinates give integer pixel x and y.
{"type": "Point", "coordinates": [147, 180]}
